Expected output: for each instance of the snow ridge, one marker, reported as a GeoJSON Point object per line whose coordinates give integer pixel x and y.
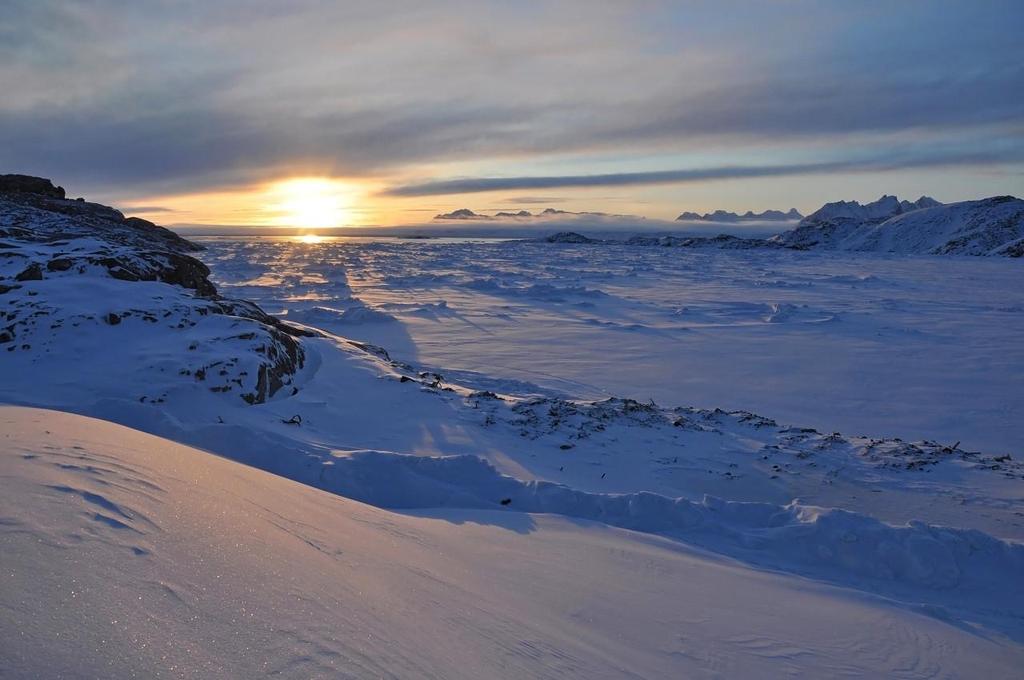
{"type": "Point", "coordinates": [816, 539]}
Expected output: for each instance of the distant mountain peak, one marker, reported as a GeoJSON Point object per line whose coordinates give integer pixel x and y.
{"type": "Point", "coordinates": [750, 215]}
{"type": "Point", "coordinates": [990, 226]}
{"type": "Point", "coordinates": [877, 211]}
{"type": "Point", "coordinates": [461, 214]}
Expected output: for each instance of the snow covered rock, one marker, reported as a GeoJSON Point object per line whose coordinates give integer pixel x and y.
{"type": "Point", "coordinates": [833, 222]}
{"type": "Point", "coordinates": [83, 285]}
{"type": "Point", "coordinates": [568, 237]}
{"type": "Point", "coordinates": [991, 226]}
{"type": "Point", "coordinates": [721, 242]}
{"type": "Point", "coordinates": [923, 202]}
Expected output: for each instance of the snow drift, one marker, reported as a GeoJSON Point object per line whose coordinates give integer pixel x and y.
{"type": "Point", "coordinates": [126, 555]}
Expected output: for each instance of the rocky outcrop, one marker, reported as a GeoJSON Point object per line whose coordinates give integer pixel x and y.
{"type": "Point", "coordinates": [52, 251]}
{"type": "Point", "coordinates": [569, 237]}
{"type": "Point", "coordinates": [720, 242]}
{"type": "Point", "coordinates": [26, 184]}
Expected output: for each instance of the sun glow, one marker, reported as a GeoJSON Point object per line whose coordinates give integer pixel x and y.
{"type": "Point", "coordinates": [312, 203]}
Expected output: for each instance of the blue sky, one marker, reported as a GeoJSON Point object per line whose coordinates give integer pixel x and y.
{"type": "Point", "coordinates": [431, 106]}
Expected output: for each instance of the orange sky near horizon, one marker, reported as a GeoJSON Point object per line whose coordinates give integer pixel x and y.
{"type": "Point", "coordinates": [301, 202]}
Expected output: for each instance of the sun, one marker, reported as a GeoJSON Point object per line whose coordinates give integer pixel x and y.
{"type": "Point", "coordinates": [312, 203]}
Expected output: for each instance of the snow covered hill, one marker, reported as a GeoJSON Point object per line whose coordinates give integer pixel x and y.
{"type": "Point", "coordinates": [76, 275]}
{"type": "Point", "coordinates": [991, 226]}
{"type": "Point", "coordinates": [126, 555]}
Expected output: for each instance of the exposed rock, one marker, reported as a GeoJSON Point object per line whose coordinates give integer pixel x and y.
{"type": "Point", "coordinates": [88, 241]}
{"type": "Point", "coordinates": [569, 237]}
{"type": "Point", "coordinates": [721, 242]}
{"type": "Point", "coordinates": [31, 273]}
{"type": "Point", "coordinates": [29, 185]}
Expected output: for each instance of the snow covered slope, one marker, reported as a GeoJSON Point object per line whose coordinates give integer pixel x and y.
{"type": "Point", "coordinates": [126, 555]}
{"type": "Point", "coordinates": [991, 226]}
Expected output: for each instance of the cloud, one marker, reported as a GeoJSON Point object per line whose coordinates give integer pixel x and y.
{"type": "Point", "coordinates": [892, 161]}
{"type": "Point", "coordinates": [160, 96]}
{"type": "Point", "coordinates": [145, 209]}
{"type": "Point", "coordinates": [535, 200]}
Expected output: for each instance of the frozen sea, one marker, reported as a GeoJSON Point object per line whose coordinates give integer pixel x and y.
{"type": "Point", "coordinates": [444, 514]}
{"type": "Point", "coordinates": [914, 347]}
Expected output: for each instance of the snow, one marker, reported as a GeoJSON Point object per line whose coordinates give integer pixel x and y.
{"type": "Point", "coordinates": [129, 555]}
{"type": "Point", "coordinates": [991, 226]}
{"type": "Point", "coordinates": [515, 459]}
{"type": "Point", "coordinates": [929, 347]}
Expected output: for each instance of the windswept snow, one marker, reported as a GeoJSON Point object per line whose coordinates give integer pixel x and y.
{"type": "Point", "coordinates": [919, 348]}
{"type": "Point", "coordinates": [126, 555]}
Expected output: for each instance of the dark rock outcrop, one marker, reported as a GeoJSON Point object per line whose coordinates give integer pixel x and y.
{"type": "Point", "coordinates": [568, 237]}
{"type": "Point", "coordinates": [26, 184]}
{"type": "Point", "coordinates": [721, 242]}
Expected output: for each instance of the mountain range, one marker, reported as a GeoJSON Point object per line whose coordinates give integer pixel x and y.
{"type": "Point", "coordinates": [724, 216]}
{"type": "Point", "coordinates": [990, 226]}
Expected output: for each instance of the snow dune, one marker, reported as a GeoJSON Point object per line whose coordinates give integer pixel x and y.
{"type": "Point", "coordinates": [128, 555]}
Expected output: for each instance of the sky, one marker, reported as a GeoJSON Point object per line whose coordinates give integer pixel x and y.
{"type": "Point", "coordinates": [365, 113]}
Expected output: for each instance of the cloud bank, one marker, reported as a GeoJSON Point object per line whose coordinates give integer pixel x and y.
{"type": "Point", "coordinates": [177, 96]}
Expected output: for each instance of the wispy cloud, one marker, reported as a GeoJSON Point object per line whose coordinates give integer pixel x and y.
{"type": "Point", "coordinates": [145, 209]}
{"type": "Point", "coordinates": [890, 162]}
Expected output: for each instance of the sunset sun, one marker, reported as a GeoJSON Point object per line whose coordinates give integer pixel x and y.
{"type": "Point", "coordinates": [312, 203]}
